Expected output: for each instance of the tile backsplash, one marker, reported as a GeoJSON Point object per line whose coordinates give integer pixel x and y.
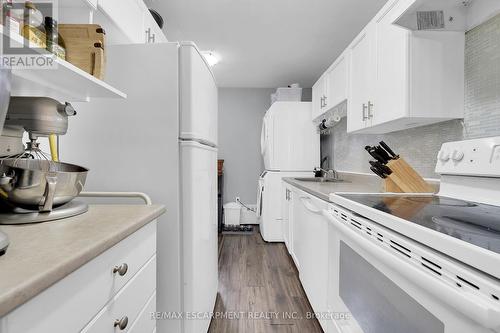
{"type": "Point", "coordinates": [482, 80]}
{"type": "Point", "coordinates": [420, 145]}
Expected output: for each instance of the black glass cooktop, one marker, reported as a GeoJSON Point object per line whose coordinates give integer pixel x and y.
{"type": "Point", "coordinates": [470, 222]}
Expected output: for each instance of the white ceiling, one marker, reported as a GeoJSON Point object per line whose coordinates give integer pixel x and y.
{"type": "Point", "coordinates": [267, 43]}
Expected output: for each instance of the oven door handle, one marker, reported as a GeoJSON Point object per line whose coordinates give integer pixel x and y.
{"type": "Point", "coordinates": [482, 312]}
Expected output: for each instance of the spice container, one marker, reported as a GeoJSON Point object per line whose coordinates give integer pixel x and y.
{"type": "Point", "coordinates": [55, 43]}
{"type": "Point", "coordinates": [33, 28]}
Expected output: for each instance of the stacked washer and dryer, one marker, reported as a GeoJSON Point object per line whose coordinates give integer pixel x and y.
{"type": "Point", "coordinates": [290, 147]}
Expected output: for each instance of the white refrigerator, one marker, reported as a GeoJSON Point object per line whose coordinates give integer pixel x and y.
{"type": "Point", "coordinates": [290, 147]}
{"type": "Point", "coordinates": [161, 140]}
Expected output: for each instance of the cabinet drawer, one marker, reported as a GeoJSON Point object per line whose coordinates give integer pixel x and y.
{"type": "Point", "coordinates": [144, 322]}
{"type": "Point", "coordinates": [71, 303]}
{"type": "Point", "coordinates": [127, 303]}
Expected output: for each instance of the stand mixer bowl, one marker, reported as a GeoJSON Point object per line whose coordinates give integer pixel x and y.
{"type": "Point", "coordinates": [39, 185]}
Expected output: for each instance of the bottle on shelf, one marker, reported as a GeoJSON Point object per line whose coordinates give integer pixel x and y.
{"type": "Point", "coordinates": [55, 43]}
{"type": "Point", "coordinates": [33, 26]}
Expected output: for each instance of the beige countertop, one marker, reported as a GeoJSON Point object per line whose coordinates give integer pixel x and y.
{"type": "Point", "coordinates": [352, 182]}
{"type": "Point", "coordinates": [41, 254]}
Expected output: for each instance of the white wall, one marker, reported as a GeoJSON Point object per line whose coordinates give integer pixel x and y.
{"type": "Point", "coordinates": [240, 119]}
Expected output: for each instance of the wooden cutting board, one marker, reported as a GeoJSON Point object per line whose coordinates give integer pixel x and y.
{"type": "Point", "coordinates": [85, 47]}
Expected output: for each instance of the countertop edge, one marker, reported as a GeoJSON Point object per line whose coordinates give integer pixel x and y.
{"type": "Point", "coordinates": [306, 189]}
{"type": "Point", "coordinates": [18, 296]}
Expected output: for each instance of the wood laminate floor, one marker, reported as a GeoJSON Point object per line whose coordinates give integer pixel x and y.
{"type": "Point", "coordinates": [259, 289]}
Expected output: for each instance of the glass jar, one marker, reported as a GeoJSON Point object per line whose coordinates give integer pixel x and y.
{"type": "Point", "coordinates": [55, 43]}
{"type": "Point", "coordinates": [33, 26]}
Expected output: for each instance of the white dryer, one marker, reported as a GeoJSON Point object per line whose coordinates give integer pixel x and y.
{"type": "Point", "coordinates": [290, 147]}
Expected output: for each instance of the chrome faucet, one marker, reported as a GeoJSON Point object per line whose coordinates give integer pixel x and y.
{"type": "Point", "coordinates": [329, 174]}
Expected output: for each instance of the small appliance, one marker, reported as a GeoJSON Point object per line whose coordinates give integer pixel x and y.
{"type": "Point", "coordinates": [35, 186]}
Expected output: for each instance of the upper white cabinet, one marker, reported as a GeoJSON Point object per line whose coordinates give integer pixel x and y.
{"type": "Point", "coordinates": [152, 32]}
{"type": "Point", "coordinates": [319, 95]}
{"type": "Point", "coordinates": [125, 21]}
{"type": "Point", "coordinates": [127, 18]}
{"type": "Point", "coordinates": [331, 89]}
{"type": "Point", "coordinates": [362, 74]}
{"type": "Point", "coordinates": [394, 78]}
{"type": "Point", "coordinates": [401, 79]}
{"type": "Point", "coordinates": [128, 22]}
{"type": "Point", "coordinates": [337, 82]}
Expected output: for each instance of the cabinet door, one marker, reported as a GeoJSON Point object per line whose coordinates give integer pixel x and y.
{"type": "Point", "coordinates": [361, 78]}
{"type": "Point", "coordinates": [285, 195]}
{"type": "Point", "coordinates": [313, 254]}
{"type": "Point", "coordinates": [318, 98]}
{"type": "Point", "coordinates": [337, 82]}
{"type": "Point", "coordinates": [392, 87]}
{"type": "Point", "coordinates": [152, 32]}
{"type": "Point", "coordinates": [127, 16]}
{"type": "Point", "coordinates": [291, 196]}
{"type": "Point", "coordinates": [297, 226]}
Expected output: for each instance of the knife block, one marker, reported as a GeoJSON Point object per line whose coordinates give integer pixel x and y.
{"type": "Point", "coordinates": [404, 179]}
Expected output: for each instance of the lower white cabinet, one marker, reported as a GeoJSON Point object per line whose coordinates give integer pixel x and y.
{"type": "Point", "coordinates": [287, 215]}
{"type": "Point", "coordinates": [311, 249]}
{"type": "Point", "coordinates": [108, 291]}
{"type": "Point", "coordinates": [143, 322]}
{"type": "Point", "coordinates": [123, 309]}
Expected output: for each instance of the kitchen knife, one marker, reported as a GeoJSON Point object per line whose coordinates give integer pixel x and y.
{"type": "Point", "coordinates": [389, 150]}
{"type": "Point", "coordinates": [377, 156]}
{"type": "Point", "coordinates": [383, 153]}
{"type": "Point", "coordinates": [375, 167]}
{"type": "Point", "coordinates": [382, 168]}
{"type": "Point", "coordinates": [378, 173]}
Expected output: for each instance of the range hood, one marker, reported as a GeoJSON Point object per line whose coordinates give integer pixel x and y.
{"type": "Point", "coordinates": [447, 15]}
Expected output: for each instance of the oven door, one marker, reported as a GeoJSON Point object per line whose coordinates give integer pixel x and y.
{"type": "Point", "coordinates": [373, 287]}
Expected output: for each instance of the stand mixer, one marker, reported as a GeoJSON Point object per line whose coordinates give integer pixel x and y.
{"type": "Point", "coordinates": [35, 186]}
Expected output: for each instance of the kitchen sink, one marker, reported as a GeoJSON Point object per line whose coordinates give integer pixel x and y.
{"type": "Point", "coordinates": [320, 180]}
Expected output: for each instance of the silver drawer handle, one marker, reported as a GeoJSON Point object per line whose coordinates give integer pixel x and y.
{"type": "Point", "coordinates": [121, 323]}
{"type": "Point", "coordinates": [122, 269]}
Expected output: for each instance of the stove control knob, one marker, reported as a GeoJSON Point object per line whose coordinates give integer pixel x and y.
{"type": "Point", "coordinates": [444, 156]}
{"type": "Point", "coordinates": [457, 155]}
